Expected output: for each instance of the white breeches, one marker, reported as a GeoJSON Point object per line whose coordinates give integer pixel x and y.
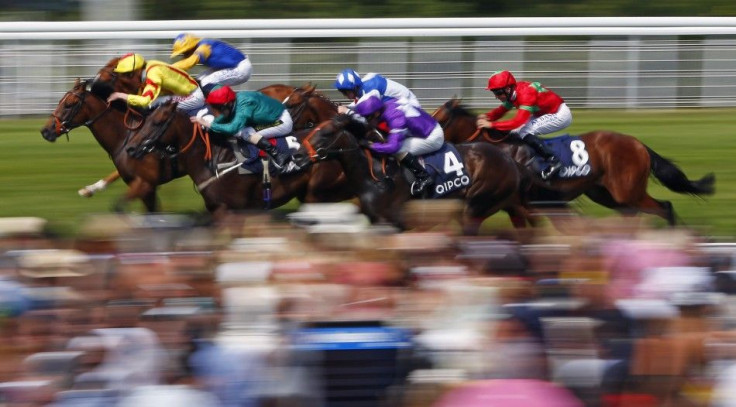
{"type": "Point", "coordinates": [189, 103]}
{"type": "Point", "coordinates": [420, 146]}
{"type": "Point", "coordinates": [282, 129]}
{"type": "Point", "coordinates": [228, 76]}
{"type": "Point", "coordinates": [546, 124]}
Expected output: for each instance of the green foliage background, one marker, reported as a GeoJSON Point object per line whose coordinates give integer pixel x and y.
{"type": "Point", "coordinates": [255, 9]}
{"type": "Point", "coordinates": [214, 9]}
{"type": "Point", "coordinates": [38, 178]}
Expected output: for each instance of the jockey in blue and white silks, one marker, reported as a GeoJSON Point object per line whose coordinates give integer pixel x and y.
{"type": "Point", "coordinates": [353, 87]}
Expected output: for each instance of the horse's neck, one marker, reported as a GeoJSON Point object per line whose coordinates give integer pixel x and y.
{"type": "Point", "coordinates": [357, 168]}
{"type": "Point", "coordinates": [109, 130]}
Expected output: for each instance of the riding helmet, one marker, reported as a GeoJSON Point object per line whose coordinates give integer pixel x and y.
{"type": "Point", "coordinates": [221, 96]}
{"type": "Point", "coordinates": [348, 79]}
{"type": "Point", "coordinates": [130, 62]}
{"type": "Point", "coordinates": [368, 104]}
{"type": "Point", "coordinates": [184, 42]}
{"type": "Point", "coordinates": [500, 80]}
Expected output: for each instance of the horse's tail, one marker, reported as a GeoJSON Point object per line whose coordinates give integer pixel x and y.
{"type": "Point", "coordinates": [673, 178]}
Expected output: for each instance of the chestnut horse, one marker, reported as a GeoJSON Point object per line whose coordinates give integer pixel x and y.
{"type": "Point", "coordinates": [81, 107]}
{"type": "Point", "coordinates": [495, 179]}
{"type": "Point", "coordinates": [169, 133]}
{"type": "Point", "coordinates": [620, 166]}
{"type": "Point", "coordinates": [108, 81]}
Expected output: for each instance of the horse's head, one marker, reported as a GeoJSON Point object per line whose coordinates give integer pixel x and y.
{"type": "Point", "coordinates": [309, 107]}
{"type": "Point", "coordinates": [150, 136]}
{"type": "Point", "coordinates": [108, 81]}
{"type": "Point", "coordinates": [78, 107]}
{"type": "Point", "coordinates": [445, 113]}
{"type": "Point", "coordinates": [328, 140]}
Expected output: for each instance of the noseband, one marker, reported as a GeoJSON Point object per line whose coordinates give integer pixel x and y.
{"type": "Point", "coordinates": [64, 126]}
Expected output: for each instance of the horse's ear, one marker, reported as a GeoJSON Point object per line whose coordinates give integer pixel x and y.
{"type": "Point", "coordinates": [308, 88]}
{"type": "Point", "coordinates": [112, 63]}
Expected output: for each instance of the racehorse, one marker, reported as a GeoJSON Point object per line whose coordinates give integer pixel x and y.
{"type": "Point", "coordinates": [617, 174]}
{"type": "Point", "coordinates": [80, 107]}
{"type": "Point", "coordinates": [169, 133]}
{"type": "Point", "coordinates": [108, 81]}
{"type": "Point", "coordinates": [495, 180]}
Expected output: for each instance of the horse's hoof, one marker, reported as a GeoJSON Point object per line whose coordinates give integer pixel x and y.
{"type": "Point", "coordinates": [86, 193]}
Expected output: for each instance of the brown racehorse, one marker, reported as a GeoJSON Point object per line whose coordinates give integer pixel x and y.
{"type": "Point", "coordinates": [107, 81]}
{"type": "Point", "coordinates": [169, 133]}
{"type": "Point", "coordinates": [495, 179]}
{"type": "Point", "coordinates": [80, 107]}
{"type": "Point", "coordinates": [620, 166]}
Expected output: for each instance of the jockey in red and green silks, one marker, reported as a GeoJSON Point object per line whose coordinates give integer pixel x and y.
{"type": "Point", "coordinates": [539, 111]}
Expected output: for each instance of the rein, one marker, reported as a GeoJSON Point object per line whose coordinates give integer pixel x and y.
{"type": "Point", "coordinates": [319, 154]}
{"type": "Point", "coordinates": [133, 112]}
{"type": "Point", "coordinates": [64, 126]}
{"type": "Point", "coordinates": [478, 132]}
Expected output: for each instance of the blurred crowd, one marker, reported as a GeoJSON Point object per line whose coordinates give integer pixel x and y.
{"type": "Point", "coordinates": [322, 309]}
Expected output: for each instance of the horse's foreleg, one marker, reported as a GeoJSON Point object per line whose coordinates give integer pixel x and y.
{"type": "Point", "coordinates": [150, 201]}
{"type": "Point", "coordinates": [100, 185]}
{"type": "Point", "coordinates": [137, 189]}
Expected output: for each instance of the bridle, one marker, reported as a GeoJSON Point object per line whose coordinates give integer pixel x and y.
{"type": "Point", "coordinates": [323, 153]}
{"type": "Point", "coordinates": [64, 126]}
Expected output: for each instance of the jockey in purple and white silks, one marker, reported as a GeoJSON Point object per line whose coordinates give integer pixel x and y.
{"type": "Point", "coordinates": [412, 133]}
{"type": "Point", "coordinates": [353, 87]}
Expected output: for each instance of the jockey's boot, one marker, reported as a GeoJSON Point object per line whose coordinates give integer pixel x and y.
{"type": "Point", "coordinates": [278, 159]}
{"type": "Point", "coordinates": [423, 179]}
{"type": "Point", "coordinates": [541, 149]}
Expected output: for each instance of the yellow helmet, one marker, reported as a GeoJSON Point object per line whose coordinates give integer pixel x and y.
{"type": "Point", "coordinates": [130, 62]}
{"type": "Point", "coordinates": [184, 42]}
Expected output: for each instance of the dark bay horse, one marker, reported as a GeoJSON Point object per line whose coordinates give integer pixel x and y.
{"type": "Point", "coordinates": [80, 107]}
{"type": "Point", "coordinates": [108, 81]}
{"type": "Point", "coordinates": [495, 179]}
{"type": "Point", "coordinates": [169, 133]}
{"type": "Point", "coordinates": [620, 166]}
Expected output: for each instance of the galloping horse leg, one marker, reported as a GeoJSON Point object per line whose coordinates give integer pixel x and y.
{"type": "Point", "coordinates": [519, 216]}
{"type": "Point", "coordinates": [150, 201]}
{"type": "Point", "coordinates": [137, 189]}
{"type": "Point", "coordinates": [100, 185]}
{"type": "Point", "coordinates": [653, 206]}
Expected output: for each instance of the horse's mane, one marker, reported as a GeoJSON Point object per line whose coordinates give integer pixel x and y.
{"type": "Point", "coordinates": [459, 109]}
{"type": "Point", "coordinates": [348, 122]}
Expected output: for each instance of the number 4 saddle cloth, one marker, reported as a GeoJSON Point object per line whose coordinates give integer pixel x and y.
{"type": "Point", "coordinates": [447, 169]}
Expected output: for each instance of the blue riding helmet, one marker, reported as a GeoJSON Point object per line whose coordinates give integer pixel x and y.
{"type": "Point", "coordinates": [368, 104]}
{"type": "Point", "coordinates": [348, 79]}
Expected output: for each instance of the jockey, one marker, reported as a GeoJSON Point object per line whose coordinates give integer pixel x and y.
{"type": "Point", "coordinates": [540, 111]}
{"type": "Point", "coordinates": [226, 64]}
{"type": "Point", "coordinates": [158, 77]}
{"type": "Point", "coordinates": [251, 116]}
{"type": "Point", "coordinates": [353, 87]}
{"type": "Point", "coordinates": [412, 132]}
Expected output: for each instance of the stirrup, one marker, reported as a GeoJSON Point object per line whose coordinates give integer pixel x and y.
{"type": "Point", "coordinates": [551, 170]}
{"type": "Point", "coordinates": [415, 189]}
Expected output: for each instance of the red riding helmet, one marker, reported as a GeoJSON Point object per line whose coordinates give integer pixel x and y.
{"type": "Point", "coordinates": [500, 80]}
{"type": "Point", "coordinates": [221, 96]}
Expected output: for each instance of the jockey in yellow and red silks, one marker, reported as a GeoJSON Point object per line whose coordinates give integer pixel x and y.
{"type": "Point", "coordinates": [226, 64]}
{"type": "Point", "coordinates": [158, 78]}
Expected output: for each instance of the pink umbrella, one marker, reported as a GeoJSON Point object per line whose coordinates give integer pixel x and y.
{"type": "Point", "coordinates": [509, 393]}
